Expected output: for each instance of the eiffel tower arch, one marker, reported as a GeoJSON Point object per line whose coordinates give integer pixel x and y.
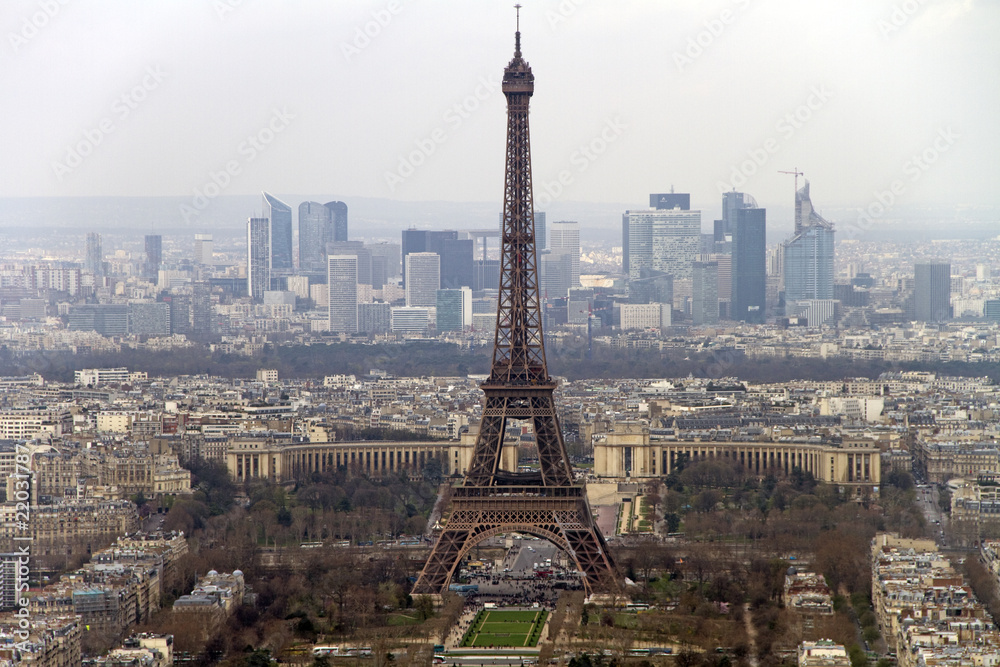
{"type": "Point", "coordinates": [547, 504]}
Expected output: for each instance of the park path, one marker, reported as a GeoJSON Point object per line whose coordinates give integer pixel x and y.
{"type": "Point", "coordinates": [751, 635]}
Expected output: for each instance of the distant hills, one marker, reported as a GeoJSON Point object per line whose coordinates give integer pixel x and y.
{"type": "Point", "coordinates": [372, 218]}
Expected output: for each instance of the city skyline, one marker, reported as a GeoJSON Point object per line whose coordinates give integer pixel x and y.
{"type": "Point", "coordinates": [817, 113]}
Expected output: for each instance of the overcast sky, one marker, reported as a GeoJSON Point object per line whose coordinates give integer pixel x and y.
{"type": "Point", "coordinates": [118, 97]}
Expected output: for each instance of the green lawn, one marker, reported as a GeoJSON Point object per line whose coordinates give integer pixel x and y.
{"type": "Point", "coordinates": [505, 628]}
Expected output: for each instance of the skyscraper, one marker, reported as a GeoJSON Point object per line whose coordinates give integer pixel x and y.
{"type": "Point", "coordinates": [391, 253]}
{"type": "Point", "coordinates": [705, 293]}
{"type": "Point", "coordinates": [201, 308]}
{"type": "Point", "coordinates": [315, 231]}
{"type": "Point", "coordinates": [748, 265]}
{"type": "Point", "coordinates": [555, 273]}
{"type": "Point", "coordinates": [338, 218]}
{"type": "Point", "coordinates": [808, 255]}
{"type": "Point", "coordinates": [422, 240]}
{"type": "Point", "coordinates": [456, 263]}
{"type": "Point", "coordinates": [258, 258]}
{"type": "Point", "coordinates": [665, 240]}
{"type": "Point", "coordinates": [342, 284]}
{"type": "Point", "coordinates": [423, 278]}
{"type": "Point", "coordinates": [932, 291]}
{"type": "Point", "coordinates": [541, 239]}
{"type": "Point", "coordinates": [670, 200]}
{"type": "Point", "coordinates": [356, 248]}
{"type": "Point", "coordinates": [564, 239]}
{"type": "Point", "coordinates": [204, 249]}
{"type": "Point", "coordinates": [94, 259]}
{"type": "Point", "coordinates": [454, 309]}
{"type": "Point", "coordinates": [374, 317]}
{"type": "Point", "coordinates": [154, 257]}
{"type": "Point", "coordinates": [280, 230]}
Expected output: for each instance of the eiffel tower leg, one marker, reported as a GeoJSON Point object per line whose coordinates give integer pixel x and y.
{"type": "Point", "coordinates": [442, 562]}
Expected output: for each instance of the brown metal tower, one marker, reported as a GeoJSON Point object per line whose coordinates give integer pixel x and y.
{"type": "Point", "coordinates": [493, 501]}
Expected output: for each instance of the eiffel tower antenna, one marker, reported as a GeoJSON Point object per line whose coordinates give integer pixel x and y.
{"type": "Point", "coordinates": [494, 500]}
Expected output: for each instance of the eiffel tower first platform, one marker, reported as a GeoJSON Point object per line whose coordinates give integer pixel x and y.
{"type": "Point", "coordinates": [492, 501]}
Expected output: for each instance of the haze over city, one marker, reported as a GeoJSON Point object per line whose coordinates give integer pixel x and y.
{"type": "Point", "coordinates": [680, 93]}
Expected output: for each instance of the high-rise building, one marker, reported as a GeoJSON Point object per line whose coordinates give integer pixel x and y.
{"type": "Point", "coordinates": [564, 239]}
{"type": "Point", "coordinates": [422, 240]}
{"type": "Point", "coordinates": [179, 304]}
{"type": "Point", "coordinates": [380, 272]}
{"type": "Point", "coordinates": [664, 240]}
{"type": "Point", "coordinates": [258, 258]}
{"type": "Point", "coordinates": [932, 291]}
{"type": "Point", "coordinates": [338, 217]}
{"type": "Point", "coordinates": [670, 200]}
{"type": "Point", "coordinates": [358, 249]}
{"type": "Point", "coordinates": [808, 264]}
{"type": "Point", "coordinates": [342, 284]}
{"type": "Point", "coordinates": [423, 278]}
{"type": "Point", "coordinates": [106, 319]}
{"type": "Point", "coordinates": [651, 286]}
{"type": "Point", "coordinates": [555, 275]}
{"type": "Point", "coordinates": [375, 317]}
{"type": "Point", "coordinates": [454, 309]}
{"type": "Point", "coordinates": [410, 319]}
{"type": "Point", "coordinates": [705, 293]}
{"type": "Point", "coordinates": [204, 249]}
{"type": "Point", "coordinates": [315, 231]}
{"type": "Point", "coordinates": [201, 308]}
{"type": "Point", "coordinates": [391, 253]}
{"type": "Point", "coordinates": [149, 319]}
{"type": "Point", "coordinates": [541, 238]}
{"type": "Point", "coordinates": [457, 267]}
{"type": "Point", "coordinates": [154, 257]}
{"type": "Point", "coordinates": [94, 259]}
{"type": "Point", "coordinates": [748, 266]}
{"type": "Point", "coordinates": [807, 259]}
{"type": "Point", "coordinates": [487, 275]}
{"type": "Point", "coordinates": [279, 215]}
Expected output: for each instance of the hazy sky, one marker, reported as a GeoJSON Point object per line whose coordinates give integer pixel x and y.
{"type": "Point", "coordinates": [118, 97]}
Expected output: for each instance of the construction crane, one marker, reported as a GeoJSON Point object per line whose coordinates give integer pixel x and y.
{"type": "Point", "coordinates": [797, 174]}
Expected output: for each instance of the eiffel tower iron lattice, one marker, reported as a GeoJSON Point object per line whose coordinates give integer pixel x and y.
{"type": "Point", "coordinates": [492, 501]}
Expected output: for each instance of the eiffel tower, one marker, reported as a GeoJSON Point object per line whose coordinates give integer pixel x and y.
{"type": "Point", "coordinates": [492, 501]}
